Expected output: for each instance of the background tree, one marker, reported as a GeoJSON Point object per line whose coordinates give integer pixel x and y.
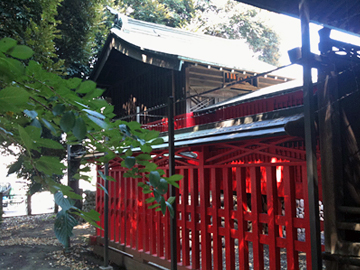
{"type": "Point", "coordinates": [173, 13]}
{"type": "Point", "coordinates": [234, 20]}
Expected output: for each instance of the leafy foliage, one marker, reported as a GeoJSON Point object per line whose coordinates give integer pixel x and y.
{"type": "Point", "coordinates": [173, 13]}
{"type": "Point", "coordinates": [237, 21]}
{"type": "Point", "coordinates": [35, 101]}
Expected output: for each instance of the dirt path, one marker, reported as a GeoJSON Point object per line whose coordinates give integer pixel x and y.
{"type": "Point", "coordinates": [29, 243]}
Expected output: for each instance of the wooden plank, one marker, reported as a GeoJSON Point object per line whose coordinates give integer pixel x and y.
{"type": "Point", "coordinates": [290, 214]}
{"type": "Point", "coordinates": [216, 222]}
{"type": "Point", "coordinates": [229, 222]}
{"type": "Point", "coordinates": [306, 217]}
{"type": "Point", "coordinates": [243, 247]}
{"type": "Point", "coordinates": [204, 206]}
{"type": "Point", "coordinates": [258, 254]}
{"type": "Point", "coordinates": [123, 206]}
{"type": "Point", "coordinates": [194, 190]}
{"type": "Point", "coordinates": [272, 204]}
{"type": "Point", "coordinates": [184, 189]}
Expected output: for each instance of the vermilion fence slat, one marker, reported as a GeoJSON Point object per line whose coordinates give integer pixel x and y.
{"type": "Point", "coordinates": [184, 231]}
{"type": "Point", "coordinates": [204, 205]}
{"type": "Point", "coordinates": [306, 218]}
{"type": "Point", "coordinates": [241, 210]}
{"type": "Point", "coordinates": [216, 222]}
{"type": "Point", "coordinates": [290, 214]}
{"type": "Point", "coordinates": [194, 191]}
{"type": "Point", "coordinates": [272, 203]}
{"type": "Point", "coordinates": [255, 211]}
{"type": "Point", "coordinates": [229, 223]}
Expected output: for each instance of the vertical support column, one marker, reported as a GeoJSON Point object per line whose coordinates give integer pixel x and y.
{"type": "Point", "coordinates": [106, 218]}
{"type": "Point", "coordinates": [173, 225]}
{"type": "Point", "coordinates": [1, 205]}
{"type": "Point", "coordinates": [28, 204]}
{"type": "Point", "coordinates": [310, 138]}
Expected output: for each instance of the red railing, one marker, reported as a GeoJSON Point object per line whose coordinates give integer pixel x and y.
{"type": "Point", "coordinates": [245, 109]}
{"type": "Point", "coordinates": [229, 215]}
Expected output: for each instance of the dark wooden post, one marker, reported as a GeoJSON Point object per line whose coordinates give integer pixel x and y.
{"type": "Point", "coordinates": [173, 225]}
{"type": "Point", "coordinates": [310, 138]}
{"type": "Point", "coordinates": [1, 205]}
{"type": "Point", "coordinates": [28, 204]}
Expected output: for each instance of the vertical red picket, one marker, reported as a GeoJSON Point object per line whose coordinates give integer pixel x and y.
{"type": "Point", "coordinates": [306, 217]}
{"type": "Point", "coordinates": [194, 218]}
{"type": "Point", "coordinates": [111, 192]}
{"type": "Point", "coordinates": [240, 175]}
{"type": "Point", "coordinates": [228, 207]}
{"type": "Point", "coordinates": [205, 219]}
{"type": "Point", "coordinates": [184, 188]}
{"type": "Point", "coordinates": [272, 203]}
{"type": "Point", "coordinates": [258, 255]}
{"type": "Point", "coordinates": [167, 231]}
{"type": "Point", "coordinates": [139, 217]}
{"type": "Point", "coordinates": [216, 222]}
{"type": "Point", "coordinates": [123, 207]}
{"type": "Point", "coordinates": [290, 214]}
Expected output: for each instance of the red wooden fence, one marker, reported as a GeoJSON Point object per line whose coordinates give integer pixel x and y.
{"type": "Point", "coordinates": [236, 208]}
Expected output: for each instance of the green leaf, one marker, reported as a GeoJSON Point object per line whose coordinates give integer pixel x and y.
{"type": "Point", "coordinates": [146, 148]}
{"type": "Point", "coordinates": [172, 199]}
{"type": "Point", "coordinates": [157, 195]}
{"type": "Point", "coordinates": [86, 87]}
{"type": "Point", "coordinates": [103, 188]}
{"type": "Point", "coordinates": [133, 125]}
{"type": "Point", "coordinates": [98, 121]}
{"type": "Point", "coordinates": [171, 209]}
{"type": "Point", "coordinates": [143, 157]}
{"type": "Point", "coordinates": [58, 109]}
{"type": "Point", "coordinates": [175, 177]}
{"type": "Point", "coordinates": [152, 134]}
{"type": "Point", "coordinates": [154, 178]}
{"type": "Point", "coordinates": [26, 139]}
{"type": "Point", "coordinates": [150, 200]}
{"type": "Point", "coordinates": [163, 186]}
{"type": "Point", "coordinates": [6, 44]}
{"type": "Point", "coordinates": [15, 166]}
{"type": "Point", "coordinates": [157, 141]}
{"type": "Point", "coordinates": [36, 123]}
{"type": "Point", "coordinates": [80, 129]}
{"type": "Point", "coordinates": [11, 69]}
{"type": "Point", "coordinates": [147, 191]}
{"type": "Point", "coordinates": [50, 165]}
{"type": "Point", "coordinates": [49, 126]}
{"type": "Point", "coordinates": [141, 184]}
{"type": "Point", "coordinates": [130, 162]}
{"type": "Point", "coordinates": [21, 52]}
{"type": "Point", "coordinates": [67, 122]}
{"type": "Point", "coordinates": [64, 203]}
{"type": "Point", "coordinates": [48, 143]}
{"type": "Point", "coordinates": [95, 114]}
{"type": "Point", "coordinates": [153, 206]}
{"type": "Point", "coordinates": [13, 99]}
{"type": "Point", "coordinates": [163, 205]}
{"type": "Point", "coordinates": [63, 226]}
{"type": "Point", "coordinates": [31, 114]}
{"type": "Point", "coordinates": [174, 184]}
{"type": "Point", "coordinates": [102, 175]}
{"type": "Point", "coordinates": [151, 166]}
{"type": "Point", "coordinates": [73, 83]}
{"type": "Point", "coordinates": [128, 152]}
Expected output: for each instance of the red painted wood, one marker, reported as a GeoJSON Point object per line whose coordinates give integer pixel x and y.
{"type": "Point", "coordinates": [184, 188]}
{"type": "Point", "coordinates": [229, 222]}
{"type": "Point", "coordinates": [122, 202]}
{"type": "Point", "coordinates": [194, 191]}
{"type": "Point", "coordinates": [205, 219]}
{"type": "Point", "coordinates": [272, 203]}
{"type": "Point", "coordinates": [242, 223]}
{"type": "Point", "coordinates": [307, 219]}
{"type": "Point", "coordinates": [290, 214]}
{"type": "Point", "coordinates": [255, 211]}
{"type": "Point", "coordinates": [216, 221]}
{"type": "Point", "coordinates": [167, 231]}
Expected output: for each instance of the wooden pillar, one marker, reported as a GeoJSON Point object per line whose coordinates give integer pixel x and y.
{"type": "Point", "coordinates": [28, 204]}
{"type": "Point", "coordinates": [310, 137]}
